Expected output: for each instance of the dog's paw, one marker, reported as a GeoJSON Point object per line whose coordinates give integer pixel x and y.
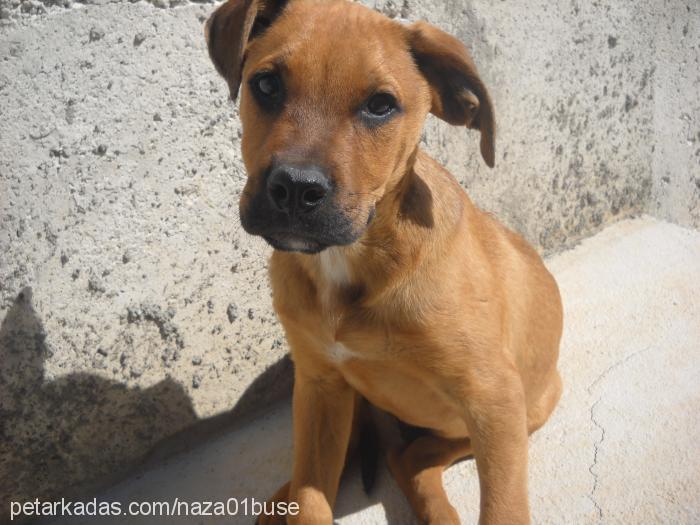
{"type": "Point", "coordinates": [280, 496]}
{"type": "Point", "coordinates": [271, 520]}
{"type": "Point", "coordinates": [445, 515]}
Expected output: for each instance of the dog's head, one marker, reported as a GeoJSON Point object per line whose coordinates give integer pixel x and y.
{"type": "Point", "coordinates": [332, 101]}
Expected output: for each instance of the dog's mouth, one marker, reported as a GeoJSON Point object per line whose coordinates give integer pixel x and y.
{"type": "Point", "coordinates": [306, 233]}
{"type": "Point", "coordinates": [305, 238]}
{"type": "Point", "coordinates": [290, 242]}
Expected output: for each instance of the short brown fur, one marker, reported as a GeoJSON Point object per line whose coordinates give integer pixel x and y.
{"type": "Point", "coordinates": [436, 313]}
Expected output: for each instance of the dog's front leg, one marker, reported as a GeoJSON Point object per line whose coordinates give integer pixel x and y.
{"type": "Point", "coordinates": [323, 404]}
{"type": "Point", "coordinates": [497, 422]}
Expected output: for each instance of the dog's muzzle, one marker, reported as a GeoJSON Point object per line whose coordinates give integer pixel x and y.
{"type": "Point", "coordinates": [295, 209]}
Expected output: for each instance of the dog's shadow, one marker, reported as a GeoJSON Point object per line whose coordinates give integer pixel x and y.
{"type": "Point", "coordinates": [62, 433]}
{"type": "Point", "coordinates": [240, 454]}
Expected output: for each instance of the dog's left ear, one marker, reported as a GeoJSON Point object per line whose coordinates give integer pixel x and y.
{"type": "Point", "coordinates": [458, 94]}
{"type": "Point", "coordinates": [229, 30]}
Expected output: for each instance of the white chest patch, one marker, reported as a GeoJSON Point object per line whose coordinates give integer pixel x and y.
{"type": "Point", "coordinates": [338, 352]}
{"type": "Point", "coordinates": [334, 266]}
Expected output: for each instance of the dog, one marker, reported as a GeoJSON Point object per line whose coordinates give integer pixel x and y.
{"type": "Point", "coordinates": [391, 286]}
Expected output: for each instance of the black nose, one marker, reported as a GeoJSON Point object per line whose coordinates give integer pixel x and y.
{"type": "Point", "coordinates": [295, 189]}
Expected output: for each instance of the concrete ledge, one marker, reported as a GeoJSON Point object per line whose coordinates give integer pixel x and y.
{"type": "Point", "coordinates": [620, 448]}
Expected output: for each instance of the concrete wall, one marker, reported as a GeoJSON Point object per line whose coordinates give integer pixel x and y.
{"type": "Point", "coordinates": [676, 88]}
{"type": "Point", "coordinates": [132, 305]}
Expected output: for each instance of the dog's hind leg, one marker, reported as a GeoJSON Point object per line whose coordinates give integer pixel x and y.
{"type": "Point", "coordinates": [418, 470]}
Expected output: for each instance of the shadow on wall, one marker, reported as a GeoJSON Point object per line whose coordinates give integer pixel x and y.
{"type": "Point", "coordinates": [80, 432]}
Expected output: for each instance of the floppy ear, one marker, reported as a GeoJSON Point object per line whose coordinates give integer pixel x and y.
{"type": "Point", "coordinates": [458, 95]}
{"type": "Point", "coordinates": [229, 30]}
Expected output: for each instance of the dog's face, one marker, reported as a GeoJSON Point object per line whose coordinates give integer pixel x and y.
{"type": "Point", "coordinates": [332, 100]}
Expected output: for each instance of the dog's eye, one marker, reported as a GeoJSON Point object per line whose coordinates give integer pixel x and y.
{"type": "Point", "coordinates": [267, 89]}
{"type": "Point", "coordinates": [379, 109]}
{"type": "Point", "coordinates": [268, 84]}
{"type": "Point", "coordinates": [381, 104]}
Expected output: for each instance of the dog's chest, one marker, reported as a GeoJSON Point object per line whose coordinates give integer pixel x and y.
{"type": "Point", "coordinates": [339, 353]}
{"type": "Point", "coordinates": [390, 380]}
{"type": "Point", "coordinates": [350, 331]}
{"type": "Point", "coordinates": [374, 354]}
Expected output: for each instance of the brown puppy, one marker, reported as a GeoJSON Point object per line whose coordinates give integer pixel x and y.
{"type": "Point", "coordinates": [389, 282]}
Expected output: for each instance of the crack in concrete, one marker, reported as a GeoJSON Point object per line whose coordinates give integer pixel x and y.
{"type": "Point", "coordinates": [597, 444]}
{"type": "Point", "coordinates": [612, 367]}
{"type": "Point", "coordinates": [596, 449]}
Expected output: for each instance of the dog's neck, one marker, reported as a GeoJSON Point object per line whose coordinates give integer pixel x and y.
{"type": "Point", "coordinates": [335, 267]}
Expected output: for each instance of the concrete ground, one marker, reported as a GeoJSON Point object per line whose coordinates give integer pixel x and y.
{"type": "Point", "coordinates": [622, 447]}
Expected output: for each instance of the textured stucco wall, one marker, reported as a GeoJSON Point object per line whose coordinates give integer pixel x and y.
{"type": "Point", "coordinates": [132, 305]}
{"type": "Point", "coordinates": [676, 88]}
